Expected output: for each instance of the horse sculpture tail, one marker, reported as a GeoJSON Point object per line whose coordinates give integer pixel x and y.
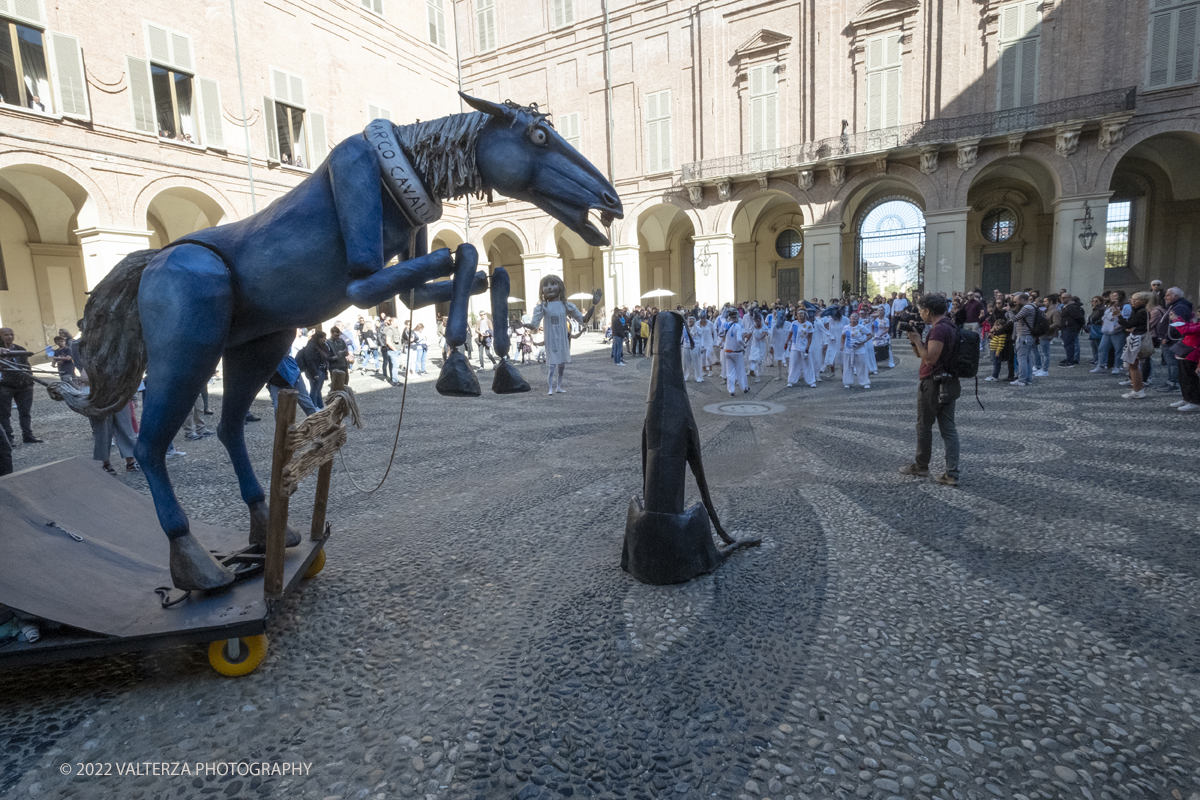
{"type": "Point", "coordinates": [112, 347]}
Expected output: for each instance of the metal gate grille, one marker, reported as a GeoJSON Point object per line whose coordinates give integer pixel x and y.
{"type": "Point", "coordinates": [906, 250]}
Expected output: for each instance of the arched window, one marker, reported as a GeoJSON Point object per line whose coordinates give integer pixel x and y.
{"type": "Point", "coordinates": [999, 225]}
{"type": "Point", "coordinates": [891, 246]}
{"type": "Point", "coordinates": [788, 243]}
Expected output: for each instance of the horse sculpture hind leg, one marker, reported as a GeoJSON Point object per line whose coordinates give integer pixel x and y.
{"type": "Point", "coordinates": [185, 303]}
{"type": "Point", "coordinates": [246, 369]}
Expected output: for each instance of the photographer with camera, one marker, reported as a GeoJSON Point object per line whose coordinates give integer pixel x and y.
{"type": "Point", "coordinates": [939, 388]}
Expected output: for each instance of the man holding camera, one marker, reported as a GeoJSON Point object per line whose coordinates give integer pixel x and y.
{"type": "Point", "coordinates": [939, 389]}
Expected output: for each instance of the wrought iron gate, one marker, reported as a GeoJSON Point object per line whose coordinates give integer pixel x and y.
{"type": "Point", "coordinates": [904, 249]}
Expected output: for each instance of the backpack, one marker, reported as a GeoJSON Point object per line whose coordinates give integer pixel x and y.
{"type": "Point", "coordinates": [964, 357]}
{"type": "Point", "coordinates": [1039, 326]}
{"type": "Point", "coordinates": [645, 330]}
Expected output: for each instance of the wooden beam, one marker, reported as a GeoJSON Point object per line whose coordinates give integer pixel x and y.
{"type": "Point", "coordinates": [285, 414]}
{"type": "Point", "coordinates": [321, 503]}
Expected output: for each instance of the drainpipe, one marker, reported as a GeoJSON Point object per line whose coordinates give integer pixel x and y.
{"type": "Point", "coordinates": [461, 109]}
{"type": "Point", "coordinates": [242, 88]}
{"type": "Point", "coordinates": [608, 129]}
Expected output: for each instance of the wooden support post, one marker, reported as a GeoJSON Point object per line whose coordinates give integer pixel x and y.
{"type": "Point", "coordinates": [321, 503]}
{"type": "Point", "coordinates": [285, 415]}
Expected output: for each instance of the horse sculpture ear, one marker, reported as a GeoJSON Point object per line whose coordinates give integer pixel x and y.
{"type": "Point", "coordinates": [486, 106]}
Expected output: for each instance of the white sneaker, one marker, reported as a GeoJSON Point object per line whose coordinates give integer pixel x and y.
{"type": "Point", "coordinates": [790, 385]}
{"type": "Point", "coordinates": [1135, 395]}
{"type": "Point", "coordinates": [1097, 369]}
{"type": "Point", "coordinates": [812, 386]}
{"type": "Point", "coordinates": [1125, 382]}
{"type": "Point", "coordinates": [1179, 403]}
{"type": "Point", "coordinates": [1116, 371]}
{"type": "Point", "coordinates": [1017, 383]}
{"type": "Point", "coordinates": [1188, 407]}
{"type": "Point", "coordinates": [1041, 373]}
{"type": "Point", "coordinates": [989, 378]}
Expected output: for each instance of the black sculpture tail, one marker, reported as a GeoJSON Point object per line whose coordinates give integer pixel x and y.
{"type": "Point", "coordinates": [113, 350]}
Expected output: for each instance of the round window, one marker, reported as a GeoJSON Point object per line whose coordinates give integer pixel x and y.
{"type": "Point", "coordinates": [999, 225]}
{"type": "Point", "coordinates": [788, 243]}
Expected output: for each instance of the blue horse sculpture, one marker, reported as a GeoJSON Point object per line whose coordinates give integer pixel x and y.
{"type": "Point", "coordinates": [238, 292]}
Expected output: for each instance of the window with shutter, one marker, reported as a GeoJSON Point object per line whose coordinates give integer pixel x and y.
{"type": "Point", "coordinates": [374, 6]}
{"type": "Point", "coordinates": [142, 95]}
{"type": "Point", "coordinates": [563, 13]}
{"type": "Point", "coordinates": [210, 113]}
{"type": "Point", "coordinates": [883, 81]}
{"type": "Point", "coordinates": [436, 16]}
{"type": "Point", "coordinates": [764, 98]}
{"type": "Point", "coordinates": [570, 130]}
{"type": "Point", "coordinates": [485, 24]}
{"type": "Point", "coordinates": [270, 123]}
{"type": "Point", "coordinates": [1173, 54]}
{"type": "Point", "coordinates": [29, 65]}
{"type": "Point", "coordinates": [28, 11]}
{"type": "Point", "coordinates": [378, 112]}
{"type": "Point", "coordinates": [1020, 42]}
{"type": "Point", "coordinates": [658, 132]}
{"type": "Point", "coordinates": [291, 131]}
{"type": "Point", "coordinates": [70, 87]}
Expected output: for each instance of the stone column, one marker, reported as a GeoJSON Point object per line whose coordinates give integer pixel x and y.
{"type": "Point", "coordinates": [623, 285]}
{"type": "Point", "coordinates": [714, 279]}
{"type": "Point", "coordinates": [1079, 271]}
{"type": "Point", "coordinates": [538, 265]}
{"type": "Point", "coordinates": [58, 272]}
{"type": "Point", "coordinates": [104, 247]}
{"type": "Point", "coordinates": [822, 261]}
{"type": "Point", "coordinates": [946, 251]}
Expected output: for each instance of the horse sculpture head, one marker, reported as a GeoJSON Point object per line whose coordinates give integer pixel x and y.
{"type": "Point", "coordinates": [520, 155]}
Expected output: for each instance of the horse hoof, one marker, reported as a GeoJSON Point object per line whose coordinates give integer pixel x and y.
{"type": "Point", "coordinates": [260, 517]}
{"type": "Point", "coordinates": [508, 380]}
{"type": "Point", "coordinates": [193, 567]}
{"type": "Point", "coordinates": [457, 378]}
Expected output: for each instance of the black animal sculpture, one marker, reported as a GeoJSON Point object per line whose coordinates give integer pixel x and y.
{"type": "Point", "coordinates": [663, 542]}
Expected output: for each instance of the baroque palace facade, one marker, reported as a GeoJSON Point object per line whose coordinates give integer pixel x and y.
{"type": "Point", "coordinates": [787, 148]}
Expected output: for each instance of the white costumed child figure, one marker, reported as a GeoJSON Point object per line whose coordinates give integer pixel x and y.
{"type": "Point", "coordinates": [760, 343]}
{"type": "Point", "coordinates": [553, 313]}
{"type": "Point", "coordinates": [693, 352]}
{"type": "Point", "coordinates": [856, 339]}
{"type": "Point", "coordinates": [734, 350]}
{"type": "Point", "coordinates": [800, 347]}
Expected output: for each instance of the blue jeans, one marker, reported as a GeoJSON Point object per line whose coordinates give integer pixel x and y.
{"type": "Point", "coordinates": [1043, 354]}
{"type": "Point", "coordinates": [618, 351]}
{"type": "Point", "coordinates": [421, 351]}
{"type": "Point", "coordinates": [1070, 340]}
{"type": "Point", "coordinates": [314, 392]}
{"type": "Point", "coordinates": [1025, 351]}
{"type": "Point", "coordinates": [1108, 345]}
{"type": "Point", "coordinates": [1171, 363]}
{"type": "Point", "coordinates": [395, 359]}
{"type": "Point", "coordinates": [302, 398]}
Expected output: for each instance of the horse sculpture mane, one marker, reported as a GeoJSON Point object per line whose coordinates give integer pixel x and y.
{"type": "Point", "coordinates": [443, 150]}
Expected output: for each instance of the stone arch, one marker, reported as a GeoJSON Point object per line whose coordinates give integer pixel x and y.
{"type": "Point", "coordinates": [628, 233]}
{"type": "Point", "coordinates": [922, 188]}
{"type": "Point", "coordinates": [215, 205]}
{"type": "Point", "coordinates": [1061, 173]}
{"type": "Point", "coordinates": [1104, 173]}
{"type": "Point", "coordinates": [32, 234]}
{"type": "Point", "coordinates": [490, 230]}
{"type": "Point", "coordinates": [174, 209]}
{"type": "Point", "coordinates": [445, 236]}
{"type": "Point", "coordinates": [45, 182]}
{"type": "Point", "coordinates": [728, 210]}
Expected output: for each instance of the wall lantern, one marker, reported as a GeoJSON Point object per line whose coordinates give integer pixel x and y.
{"type": "Point", "coordinates": [1088, 237]}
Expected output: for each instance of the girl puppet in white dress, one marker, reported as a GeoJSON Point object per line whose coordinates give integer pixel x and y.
{"type": "Point", "coordinates": [760, 343]}
{"type": "Point", "coordinates": [800, 349]}
{"type": "Point", "coordinates": [553, 313]}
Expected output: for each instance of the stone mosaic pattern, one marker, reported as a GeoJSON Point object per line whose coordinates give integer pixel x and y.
{"type": "Point", "coordinates": [1031, 634]}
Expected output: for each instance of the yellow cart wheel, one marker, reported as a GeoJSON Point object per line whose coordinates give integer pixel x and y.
{"type": "Point", "coordinates": [251, 650]}
{"type": "Point", "coordinates": [317, 565]}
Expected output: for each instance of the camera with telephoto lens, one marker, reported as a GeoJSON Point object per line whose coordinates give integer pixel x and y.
{"type": "Point", "coordinates": [912, 327]}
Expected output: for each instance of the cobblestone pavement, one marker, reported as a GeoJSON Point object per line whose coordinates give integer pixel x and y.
{"type": "Point", "coordinates": [1030, 634]}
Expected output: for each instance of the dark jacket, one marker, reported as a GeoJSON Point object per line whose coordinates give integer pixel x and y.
{"type": "Point", "coordinates": [313, 360]}
{"type": "Point", "coordinates": [619, 328]}
{"type": "Point", "coordinates": [1180, 308]}
{"type": "Point", "coordinates": [338, 354]}
{"type": "Point", "coordinates": [1073, 318]}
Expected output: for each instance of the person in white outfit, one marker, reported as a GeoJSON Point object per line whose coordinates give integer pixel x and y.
{"type": "Point", "coordinates": [706, 335]}
{"type": "Point", "coordinates": [800, 362]}
{"type": "Point", "coordinates": [760, 343]}
{"type": "Point", "coordinates": [693, 351]}
{"type": "Point", "coordinates": [856, 338]}
{"type": "Point", "coordinates": [835, 326]}
{"type": "Point", "coordinates": [780, 326]}
{"type": "Point", "coordinates": [881, 328]}
{"type": "Point", "coordinates": [734, 350]}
